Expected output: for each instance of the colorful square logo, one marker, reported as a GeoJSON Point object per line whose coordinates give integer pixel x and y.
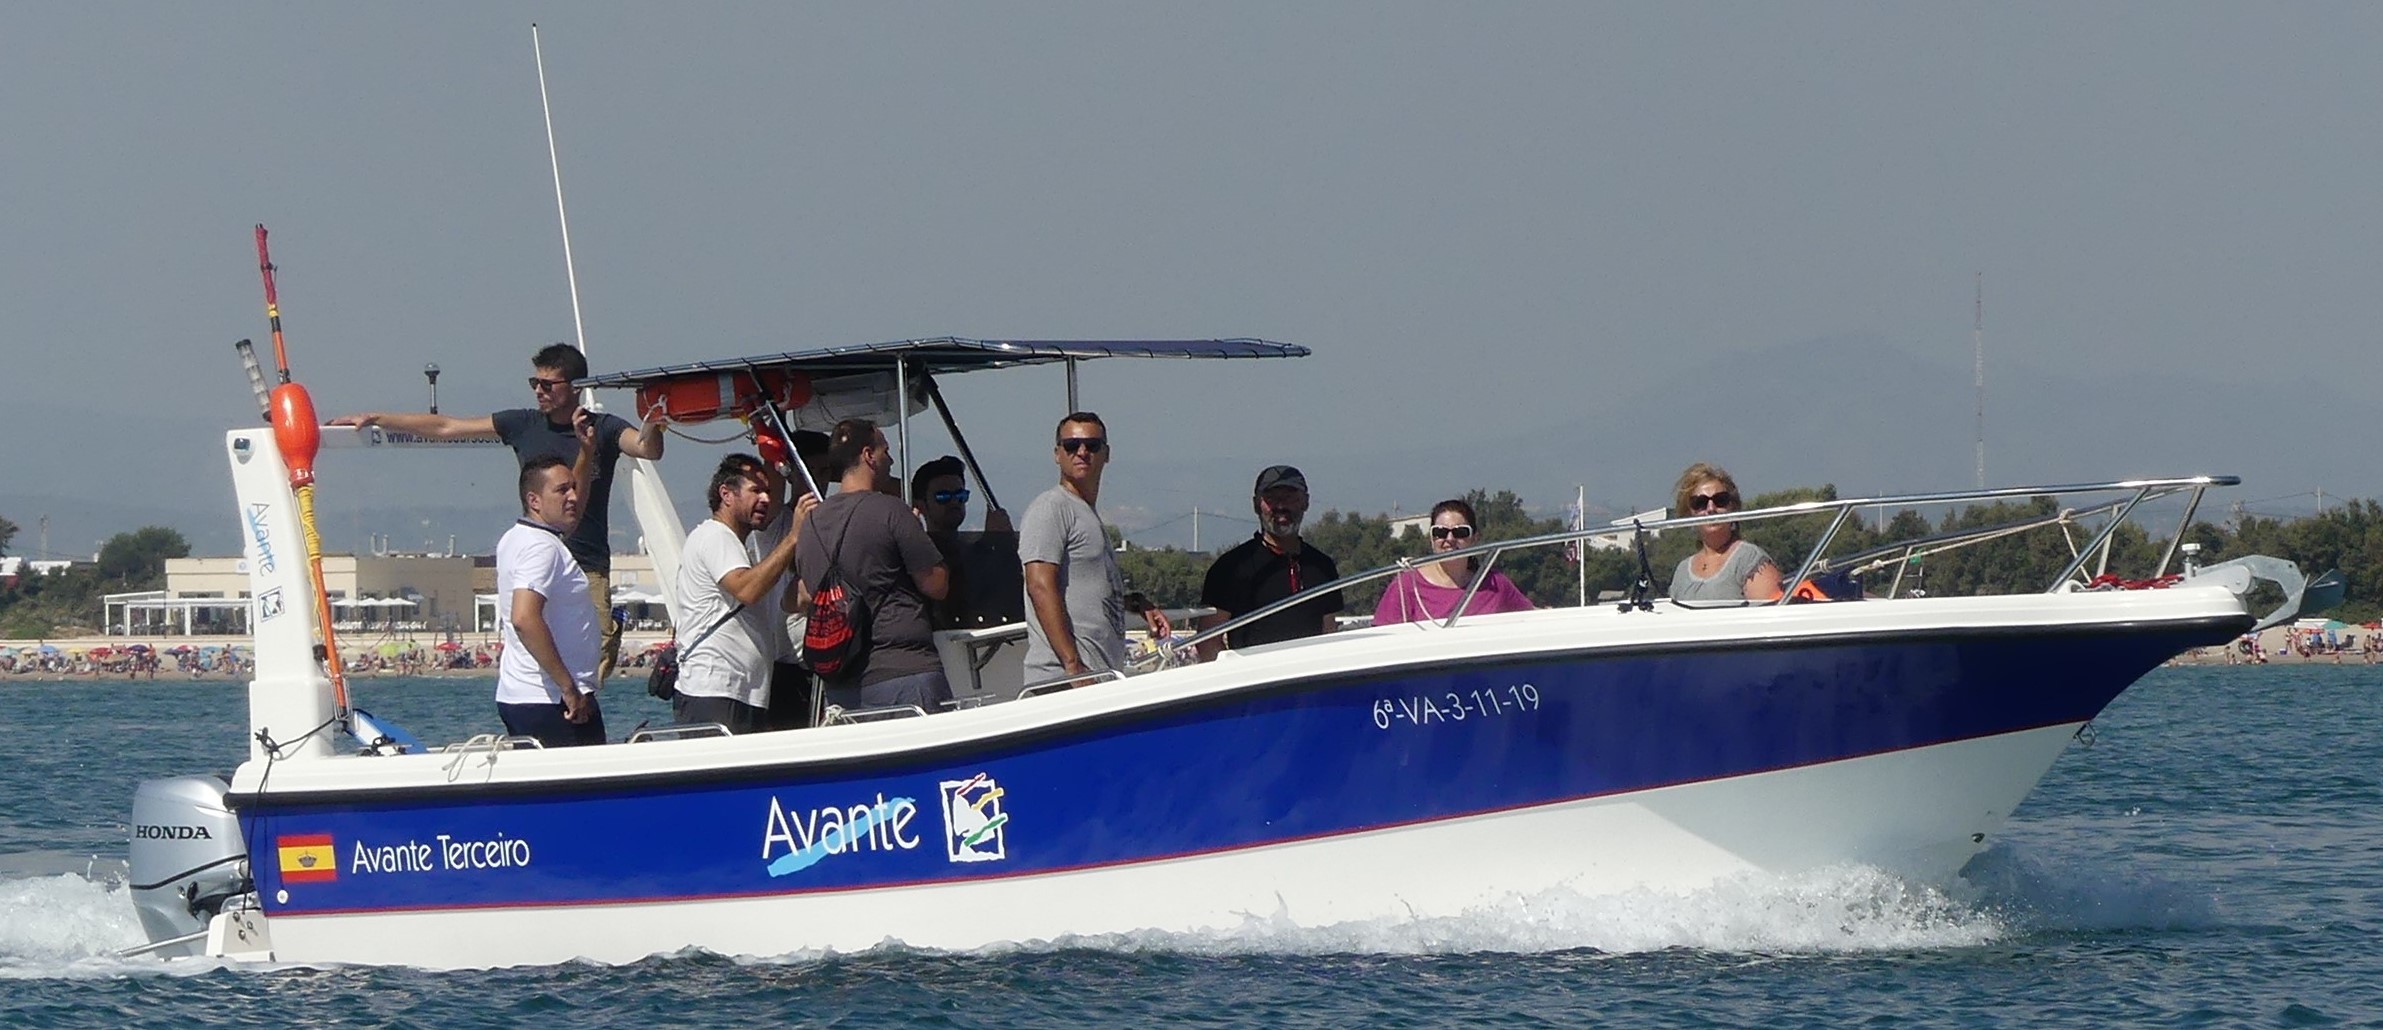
{"type": "Point", "coordinates": [975, 829]}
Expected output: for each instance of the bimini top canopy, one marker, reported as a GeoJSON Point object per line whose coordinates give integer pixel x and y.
{"type": "Point", "coordinates": [816, 387]}
{"type": "Point", "coordinates": [952, 354]}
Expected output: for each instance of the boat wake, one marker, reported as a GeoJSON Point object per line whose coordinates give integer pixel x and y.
{"type": "Point", "coordinates": [1853, 909]}
{"type": "Point", "coordinates": [71, 924]}
{"type": "Point", "coordinates": [65, 923]}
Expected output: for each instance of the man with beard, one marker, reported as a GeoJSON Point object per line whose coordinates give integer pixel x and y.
{"type": "Point", "coordinates": [546, 679]}
{"type": "Point", "coordinates": [731, 603]}
{"type": "Point", "coordinates": [876, 547]}
{"type": "Point", "coordinates": [1271, 565]}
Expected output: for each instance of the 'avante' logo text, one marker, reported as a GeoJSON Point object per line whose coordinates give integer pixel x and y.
{"type": "Point", "coordinates": [262, 536]}
{"type": "Point", "coordinates": [813, 834]}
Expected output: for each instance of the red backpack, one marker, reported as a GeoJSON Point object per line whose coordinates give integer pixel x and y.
{"type": "Point", "coordinates": [836, 635]}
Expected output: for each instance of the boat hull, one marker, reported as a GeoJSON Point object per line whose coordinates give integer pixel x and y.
{"type": "Point", "coordinates": [1299, 782]}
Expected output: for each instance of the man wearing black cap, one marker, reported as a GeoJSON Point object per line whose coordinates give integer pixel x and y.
{"type": "Point", "coordinates": [1272, 565]}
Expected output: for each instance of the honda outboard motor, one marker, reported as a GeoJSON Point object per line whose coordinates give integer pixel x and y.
{"type": "Point", "coordinates": [187, 857]}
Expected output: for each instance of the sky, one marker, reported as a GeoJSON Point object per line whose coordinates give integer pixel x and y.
{"type": "Point", "coordinates": [1490, 221]}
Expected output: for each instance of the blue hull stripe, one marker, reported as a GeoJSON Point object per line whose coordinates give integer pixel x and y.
{"type": "Point", "coordinates": [1257, 769]}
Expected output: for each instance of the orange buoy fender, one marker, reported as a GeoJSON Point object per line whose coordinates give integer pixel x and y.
{"type": "Point", "coordinates": [704, 396]}
{"type": "Point", "coordinates": [296, 431]}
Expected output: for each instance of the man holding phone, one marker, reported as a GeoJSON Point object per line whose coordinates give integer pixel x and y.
{"type": "Point", "coordinates": [590, 443]}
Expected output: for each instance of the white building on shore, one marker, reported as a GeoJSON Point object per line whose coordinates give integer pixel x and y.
{"type": "Point", "coordinates": [395, 593]}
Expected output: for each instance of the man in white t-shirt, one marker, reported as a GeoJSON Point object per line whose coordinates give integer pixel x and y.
{"type": "Point", "coordinates": [546, 678]}
{"type": "Point", "coordinates": [732, 604]}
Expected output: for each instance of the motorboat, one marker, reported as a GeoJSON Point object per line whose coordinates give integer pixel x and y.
{"type": "Point", "coordinates": [1389, 773]}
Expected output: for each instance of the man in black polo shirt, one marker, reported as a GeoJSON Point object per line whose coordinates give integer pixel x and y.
{"type": "Point", "coordinates": [1270, 566]}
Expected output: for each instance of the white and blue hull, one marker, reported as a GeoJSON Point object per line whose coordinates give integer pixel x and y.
{"type": "Point", "coordinates": [1395, 773]}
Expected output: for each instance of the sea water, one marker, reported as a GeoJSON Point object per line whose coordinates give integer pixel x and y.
{"type": "Point", "coordinates": [2212, 854]}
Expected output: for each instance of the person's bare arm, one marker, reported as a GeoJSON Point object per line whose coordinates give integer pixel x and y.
{"type": "Point", "coordinates": [1050, 610]}
{"type": "Point", "coordinates": [643, 443]}
{"type": "Point", "coordinates": [1764, 585]}
{"type": "Point", "coordinates": [583, 468]}
{"type": "Point", "coordinates": [425, 424]}
{"type": "Point", "coordinates": [753, 582]}
{"type": "Point", "coordinates": [529, 624]}
{"type": "Point", "coordinates": [1209, 648]}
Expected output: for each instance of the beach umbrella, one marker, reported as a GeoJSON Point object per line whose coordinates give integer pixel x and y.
{"type": "Point", "coordinates": [48, 649]}
{"type": "Point", "coordinates": [449, 645]}
{"type": "Point", "coordinates": [102, 652]}
{"type": "Point", "coordinates": [181, 649]}
{"type": "Point", "coordinates": [140, 648]}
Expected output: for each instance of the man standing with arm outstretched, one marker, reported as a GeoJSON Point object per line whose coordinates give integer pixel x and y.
{"type": "Point", "coordinates": [589, 443]}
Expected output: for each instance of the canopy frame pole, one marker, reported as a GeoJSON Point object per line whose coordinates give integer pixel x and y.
{"type": "Point", "coordinates": [902, 417]}
{"type": "Point", "coordinates": [952, 426]}
{"type": "Point", "coordinates": [1072, 405]}
{"type": "Point", "coordinates": [769, 409]}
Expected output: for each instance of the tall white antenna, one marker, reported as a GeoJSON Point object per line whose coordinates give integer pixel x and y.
{"type": "Point", "coordinates": [553, 158]}
{"type": "Point", "coordinates": [1978, 339]}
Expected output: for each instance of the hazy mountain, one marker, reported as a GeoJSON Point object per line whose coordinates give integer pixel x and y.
{"type": "Point", "coordinates": [1866, 415]}
{"type": "Point", "coordinates": [1875, 418]}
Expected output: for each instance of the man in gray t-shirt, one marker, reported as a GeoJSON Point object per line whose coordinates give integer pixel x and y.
{"type": "Point", "coordinates": [1075, 597]}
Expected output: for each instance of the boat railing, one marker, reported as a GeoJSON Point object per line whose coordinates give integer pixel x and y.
{"type": "Point", "coordinates": [2128, 495]}
{"type": "Point", "coordinates": [678, 731]}
{"type": "Point", "coordinates": [1064, 682]}
{"type": "Point", "coordinates": [838, 715]}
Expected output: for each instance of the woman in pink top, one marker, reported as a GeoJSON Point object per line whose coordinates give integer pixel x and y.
{"type": "Point", "coordinates": [1432, 591]}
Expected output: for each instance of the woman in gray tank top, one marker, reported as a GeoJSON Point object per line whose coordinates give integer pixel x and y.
{"type": "Point", "coordinates": [1724, 567]}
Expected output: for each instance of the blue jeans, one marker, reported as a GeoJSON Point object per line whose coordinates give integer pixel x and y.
{"type": "Point", "coordinates": [927, 690]}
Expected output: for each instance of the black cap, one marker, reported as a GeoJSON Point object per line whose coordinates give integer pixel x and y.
{"type": "Point", "coordinates": [1280, 475]}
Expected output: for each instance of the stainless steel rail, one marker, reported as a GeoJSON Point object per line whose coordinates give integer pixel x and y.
{"type": "Point", "coordinates": [1485, 555]}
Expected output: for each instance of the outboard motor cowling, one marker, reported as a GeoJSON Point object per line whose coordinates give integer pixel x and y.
{"type": "Point", "coordinates": [188, 857]}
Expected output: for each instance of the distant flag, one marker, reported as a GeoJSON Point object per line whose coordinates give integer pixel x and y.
{"type": "Point", "coordinates": [1576, 517]}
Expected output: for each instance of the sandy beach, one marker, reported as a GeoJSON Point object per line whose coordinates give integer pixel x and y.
{"type": "Point", "coordinates": [2275, 646]}
{"type": "Point", "coordinates": [351, 648]}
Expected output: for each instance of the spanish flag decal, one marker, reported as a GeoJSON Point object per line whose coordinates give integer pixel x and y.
{"type": "Point", "coordinates": [307, 858]}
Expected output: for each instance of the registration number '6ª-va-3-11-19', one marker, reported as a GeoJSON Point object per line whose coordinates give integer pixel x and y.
{"type": "Point", "coordinates": [1455, 706]}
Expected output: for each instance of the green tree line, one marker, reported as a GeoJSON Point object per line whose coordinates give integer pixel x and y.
{"type": "Point", "coordinates": [69, 603]}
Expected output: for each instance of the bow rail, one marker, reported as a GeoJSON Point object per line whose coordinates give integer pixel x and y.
{"type": "Point", "coordinates": [2131, 493]}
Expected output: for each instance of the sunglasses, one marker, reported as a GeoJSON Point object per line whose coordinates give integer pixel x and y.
{"type": "Point", "coordinates": [951, 496]}
{"type": "Point", "coordinates": [1093, 444]}
{"type": "Point", "coordinates": [543, 383]}
{"type": "Point", "coordinates": [1458, 532]}
{"type": "Point", "coordinates": [1724, 499]}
